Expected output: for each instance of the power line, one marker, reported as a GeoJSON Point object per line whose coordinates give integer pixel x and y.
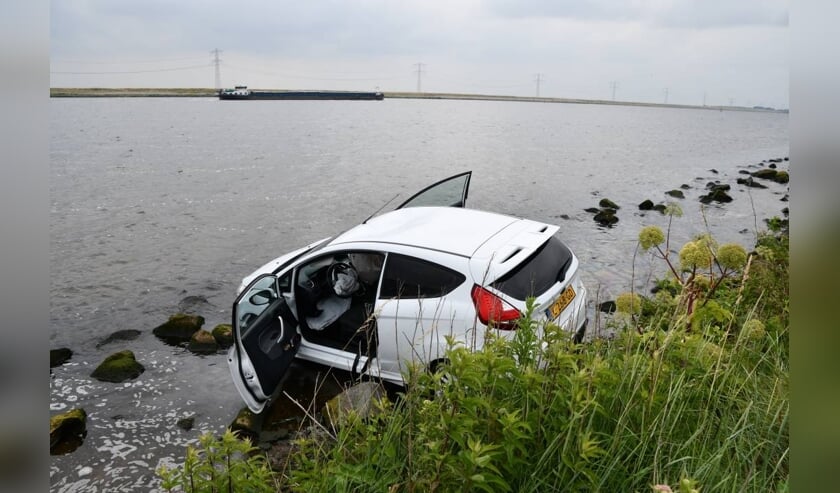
{"type": "Point", "coordinates": [131, 71]}
{"type": "Point", "coordinates": [129, 62]}
{"type": "Point", "coordinates": [307, 77]}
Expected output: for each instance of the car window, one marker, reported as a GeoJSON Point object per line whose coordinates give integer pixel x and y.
{"type": "Point", "coordinates": [410, 277]}
{"type": "Point", "coordinates": [538, 272]}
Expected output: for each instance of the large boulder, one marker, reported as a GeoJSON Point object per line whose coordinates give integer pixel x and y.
{"type": "Point", "coordinates": [179, 328]}
{"type": "Point", "coordinates": [782, 177]}
{"type": "Point", "coordinates": [359, 400]}
{"type": "Point", "coordinates": [223, 333]}
{"type": "Point", "coordinates": [67, 431]}
{"type": "Point", "coordinates": [118, 367]}
{"type": "Point", "coordinates": [203, 342]}
{"type": "Point", "coordinates": [59, 356]}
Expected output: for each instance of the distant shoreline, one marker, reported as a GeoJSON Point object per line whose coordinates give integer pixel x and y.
{"type": "Point", "coordinates": [104, 92]}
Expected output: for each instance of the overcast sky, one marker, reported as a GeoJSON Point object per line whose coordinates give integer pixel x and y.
{"type": "Point", "coordinates": [728, 51]}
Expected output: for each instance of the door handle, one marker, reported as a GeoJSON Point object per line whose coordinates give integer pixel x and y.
{"type": "Point", "coordinates": [282, 329]}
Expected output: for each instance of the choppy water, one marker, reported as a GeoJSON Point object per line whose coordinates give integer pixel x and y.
{"type": "Point", "coordinates": [163, 204]}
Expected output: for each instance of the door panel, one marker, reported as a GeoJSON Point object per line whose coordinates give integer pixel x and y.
{"type": "Point", "coordinates": [267, 339]}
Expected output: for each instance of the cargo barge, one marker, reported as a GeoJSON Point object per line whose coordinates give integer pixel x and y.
{"type": "Point", "coordinates": [242, 92]}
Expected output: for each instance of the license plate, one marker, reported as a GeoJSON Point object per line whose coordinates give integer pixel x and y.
{"type": "Point", "coordinates": [560, 303]}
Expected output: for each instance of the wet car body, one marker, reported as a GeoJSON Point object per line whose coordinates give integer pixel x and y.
{"type": "Point", "coordinates": [387, 293]}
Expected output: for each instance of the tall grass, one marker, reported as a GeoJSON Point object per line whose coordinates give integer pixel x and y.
{"type": "Point", "coordinates": [699, 406]}
{"type": "Point", "coordinates": [686, 397]}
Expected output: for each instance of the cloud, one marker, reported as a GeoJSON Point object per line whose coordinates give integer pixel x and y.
{"type": "Point", "coordinates": [698, 14]}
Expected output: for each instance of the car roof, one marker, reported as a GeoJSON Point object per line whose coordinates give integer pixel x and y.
{"type": "Point", "coordinates": [447, 229]}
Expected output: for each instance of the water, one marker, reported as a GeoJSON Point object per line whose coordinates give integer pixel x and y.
{"type": "Point", "coordinates": [162, 204]}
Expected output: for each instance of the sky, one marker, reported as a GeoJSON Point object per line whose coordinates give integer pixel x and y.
{"type": "Point", "coordinates": [716, 52]}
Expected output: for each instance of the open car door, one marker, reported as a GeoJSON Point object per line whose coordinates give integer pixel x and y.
{"type": "Point", "coordinates": [449, 192]}
{"type": "Point", "coordinates": [266, 339]}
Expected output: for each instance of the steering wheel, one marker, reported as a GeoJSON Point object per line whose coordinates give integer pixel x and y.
{"type": "Point", "coordinates": [332, 274]}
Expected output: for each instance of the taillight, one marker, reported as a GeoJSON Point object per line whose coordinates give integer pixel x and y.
{"type": "Point", "coordinates": [493, 310]}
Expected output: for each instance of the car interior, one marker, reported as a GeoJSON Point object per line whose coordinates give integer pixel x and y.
{"type": "Point", "coordinates": [335, 295]}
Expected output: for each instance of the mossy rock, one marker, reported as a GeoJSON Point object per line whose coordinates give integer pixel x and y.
{"type": "Point", "coordinates": [766, 174]}
{"type": "Point", "coordinates": [60, 356]}
{"type": "Point", "coordinates": [646, 205]}
{"type": "Point", "coordinates": [118, 367]}
{"type": "Point", "coordinates": [359, 399]}
{"type": "Point", "coordinates": [179, 328]}
{"type": "Point", "coordinates": [592, 210]}
{"type": "Point", "coordinates": [67, 431]}
{"type": "Point", "coordinates": [223, 333]}
{"type": "Point", "coordinates": [716, 195]}
{"type": "Point", "coordinates": [677, 194]}
{"type": "Point", "coordinates": [203, 342]}
{"type": "Point", "coordinates": [661, 208]}
{"type": "Point", "coordinates": [782, 177]}
{"type": "Point", "coordinates": [247, 424]}
{"type": "Point", "coordinates": [606, 217]}
{"type": "Point", "coordinates": [187, 423]}
{"type": "Point", "coordinates": [608, 204]}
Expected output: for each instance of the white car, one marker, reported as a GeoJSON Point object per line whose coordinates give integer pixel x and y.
{"type": "Point", "coordinates": [388, 291]}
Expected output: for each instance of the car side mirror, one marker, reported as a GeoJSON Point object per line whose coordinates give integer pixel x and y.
{"type": "Point", "coordinates": [261, 297]}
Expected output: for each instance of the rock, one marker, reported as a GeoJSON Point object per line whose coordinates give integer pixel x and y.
{"type": "Point", "coordinates": [187, 423]}
{"type": "Point", "coordinates": [716, 185]}
{"type": "Point", "coordinates": [120, 335]}
{"type": "Point", "coordinates": [592, 210]}
{"type": "Point", "coordinates": [179, 328]}
{"type": "Point", "coordinates": [608, 204]}
{"type": "Point", "coordinates": [777, 160]}
{"type": "Point", "coordinates": [360, 399]}
{"type": "Point", "coordinates": [786, 211]}
{"type": "Point", "coordinates": [565, 217]}
{"type": "Point", "coordinates": [677, 194]}
{"type": "Point", "coordinates": [765, 174]}
{"type": "Point", "coordinates": [685, 186]}
{"type": "Point", "coordinates": [203, 342]}
{"type": "Point", "coordinates": [118, 367]}
{"type": "Point", "coordinates": [785, 198]}
{"type": "Point", "coordinates": [744, 231]}
{"type": "Point", "coordinates": [716, 195]}
{"type": "Point", "coordinates": [247, 424]}
{"type": "Point", "coordinates": [660, 207]}
{"type": "Point", "coordinates": [787, 159]}
{"type": "Point", "coordinates": [606, 217]}
{"type": "Point", "coordinates": [772, 166]}
{"type": "Point", "coordinates": [223, 333]}
{"type": "Point", "coordinates": [750, 182]}
{"type": "Point", "coordinates": [607, 306]}
{"type": "Point", "coordinates": [67, 431]}
{"type": "Point", "coordinates": [743, 172]}
{"type": "Point", "coordinates": [782, 177]}
{"type": "Point", "coordinates": [193, 304]}
{"type": "Point", "coordinates": [646, 205]}
{"type": "Point", "coordinates": [60, 356]}
{"type": "Point", "coordinates": [714, 171]}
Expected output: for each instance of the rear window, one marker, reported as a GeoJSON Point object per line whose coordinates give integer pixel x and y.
{"type": "Point", "coordinates": [538, 272]}
{"type": "Point", "coordinates": [409, 277]}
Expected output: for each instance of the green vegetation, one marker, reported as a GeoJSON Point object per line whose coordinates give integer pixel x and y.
{"type": "Point", "coordinates": [220, 464]}
{"type": "Point", "coordinates": [691, 394]}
